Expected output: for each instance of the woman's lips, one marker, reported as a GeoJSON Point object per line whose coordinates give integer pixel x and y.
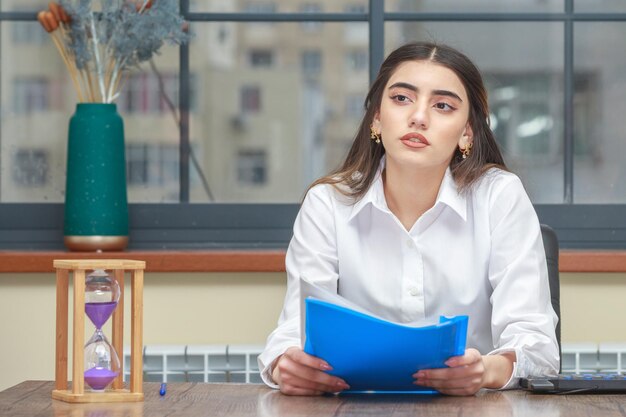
{"type": "Point", "coordinates": [414, 140]}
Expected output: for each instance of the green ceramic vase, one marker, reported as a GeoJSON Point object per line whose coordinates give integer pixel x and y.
{"type": "Point", "coordinates": [96, 206]}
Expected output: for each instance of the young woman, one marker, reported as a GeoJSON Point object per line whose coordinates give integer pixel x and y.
{"type": "Point", "coordinates": [422, 220]}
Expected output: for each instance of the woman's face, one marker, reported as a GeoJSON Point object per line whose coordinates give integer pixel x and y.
{"type": "Point", "coordinates": [423, 115]}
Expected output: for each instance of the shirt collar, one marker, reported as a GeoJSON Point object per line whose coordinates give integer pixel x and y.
{"type": "Point", "coordinates": [448, 195]}
{"type": "Point", "coordinates": [375, 195]}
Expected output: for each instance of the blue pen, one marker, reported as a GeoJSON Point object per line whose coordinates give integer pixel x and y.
{"type": "Point", "coordinates": [163, 389]}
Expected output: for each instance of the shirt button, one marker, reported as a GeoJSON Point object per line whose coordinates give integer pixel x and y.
{"type": "Point", "coordinates": [409, 243]}
{"type": "Point", "coordinates": [414, 291]}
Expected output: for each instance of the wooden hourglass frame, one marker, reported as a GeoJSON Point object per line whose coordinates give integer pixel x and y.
{"type": "Point", "coordinates": [77, 393]}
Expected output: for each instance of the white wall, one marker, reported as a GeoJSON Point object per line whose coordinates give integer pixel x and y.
{"type": "Point", "coordinates": [239, 308]}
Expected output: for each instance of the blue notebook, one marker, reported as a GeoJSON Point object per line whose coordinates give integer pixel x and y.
{"type": "Point", "coordinates": [375, 355]}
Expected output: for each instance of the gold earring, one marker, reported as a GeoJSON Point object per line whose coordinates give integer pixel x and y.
{"type": "Point", "coordinates": [467, 150]}
{"type": "Point", "coordinates": [375, 136]}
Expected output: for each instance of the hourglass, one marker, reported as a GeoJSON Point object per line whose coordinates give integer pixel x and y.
{"type": "Point", "coordinates": [102, 364]}
{"type": "Point", "coordinates": [99, 296]}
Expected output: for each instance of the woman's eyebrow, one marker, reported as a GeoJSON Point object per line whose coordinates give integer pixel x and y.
{"type": "Point", "coordinates": [411, 87]}
{"type": "Point", "coordinates": [447, 93]}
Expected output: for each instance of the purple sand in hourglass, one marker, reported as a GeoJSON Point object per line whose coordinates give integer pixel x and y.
{"type": "Point", "coordinates": [99, 378]}
{"type": "Point", "coordinates": [99, 313]}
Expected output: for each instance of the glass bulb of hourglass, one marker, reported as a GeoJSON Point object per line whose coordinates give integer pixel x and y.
{"type": "Point", "coordinates": [102, 364]}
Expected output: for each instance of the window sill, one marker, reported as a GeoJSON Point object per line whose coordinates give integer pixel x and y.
{"type": "Point", "coordinates": [255, 260]}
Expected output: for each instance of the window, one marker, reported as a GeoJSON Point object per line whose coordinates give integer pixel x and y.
{"type": "Point", "coordinates": [283, 98]}
{"type": "Point", "coordinates": [252, 167]}
{"type": "Point", "coordinates": [354, 106]}
{"type": "Point", "coordinates": [250, 99]}
{"type": "Point", "coordinates": [30, 167]}
{"type": "Point", "coordinates": [311, 62]}
{"type": "Point", "coordinates": [259, 7]}
{"type": "Point", "coordinates": [151, 165]}
{"type": "Point", "coordinates": [356, 60]}
{"type": "Point", "coordinates": [136, 165]}
{"type": "Point", "coordinates": [262, 58]}
{"type": "Point", "coordinates": [29, 33]}
{"type": "Point", "coordinates": [355, 33]}
{"type": "Point", "coordinates": [311, 26]}
{"type": "Point", "coordinates": [30, 94]}
{"type": "Point", "coordinates": [143, 93]}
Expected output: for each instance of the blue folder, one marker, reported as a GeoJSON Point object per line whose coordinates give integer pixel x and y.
{"type": "Point", "coordinates": [374, 355]}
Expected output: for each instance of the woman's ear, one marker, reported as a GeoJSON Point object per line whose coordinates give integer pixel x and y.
{"type": "Point", "coordinates": [376, 121]}
{"type": "Point", "coordinates": [467, 139]}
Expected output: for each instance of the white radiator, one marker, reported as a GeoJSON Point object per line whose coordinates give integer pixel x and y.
{"type": "Point", "coordinates": [238, 363]}
{"type": "Point", "coordinates": [580, 358]}
{"type": "Point", "coordinates": [198, 363]}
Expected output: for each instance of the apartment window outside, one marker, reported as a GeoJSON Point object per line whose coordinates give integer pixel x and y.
{"type": "Point", "coordinates": [311, 62]}
{"type": "Point", "coordinates": [259, 7]}
{"type": "Point", "coordinates": [252, 167]}
{"type": "Point", "coordinates": [357, 61]}
{"type": "Point", "coordinates": [311, 27]}
{"type": "Point", "coordinates": [143, 94]}
{"type": "Point", "coordinates": [136, 164]}
{"type": "Point", "coordinates": [29, 34]}
{"type": "Point", "coordinates": [354, 106]}
{"type": "Point", "coordinates": [151, 164]}
{"type": "Point", "coordinates": [261, 58]}
{"type": "Point", "coordinates": [250, 99]}
{"type": "Point", "coordinates": [31, 94]}
{"type": "Point", "coordinates": [355, 33]}
{"type": "Point", "coordinates": [31, 167]}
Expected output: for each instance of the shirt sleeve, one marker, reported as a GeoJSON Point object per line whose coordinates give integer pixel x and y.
{"type": "Point", "coordinates": [312, 254]}
{"type": "Point", "coordinates": [523, 320]}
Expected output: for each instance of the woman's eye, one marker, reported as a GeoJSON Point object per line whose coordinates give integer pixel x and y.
{"type": "Point", "coordinates": [444, 106]}
{"type": "Point", "coordinates": [400, 98]}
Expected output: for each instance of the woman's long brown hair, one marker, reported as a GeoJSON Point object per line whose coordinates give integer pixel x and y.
{"type": "Point", "coordinates": [359, 168]}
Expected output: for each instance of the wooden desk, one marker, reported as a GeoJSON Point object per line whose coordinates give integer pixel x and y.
{"type": "Point", "coordinates": [32, 398]}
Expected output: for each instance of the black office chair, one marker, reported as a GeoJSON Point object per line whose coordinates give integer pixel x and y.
{"type": "Point", "coordinates": [551, 246]}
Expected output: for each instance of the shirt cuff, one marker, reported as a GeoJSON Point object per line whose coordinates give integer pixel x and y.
{"type": "Point", "coordinates": [266, 361]}
{"type": "Point", "coordinates": [266, 376]}
{"type": "Point", "coordinates": [513, 382]}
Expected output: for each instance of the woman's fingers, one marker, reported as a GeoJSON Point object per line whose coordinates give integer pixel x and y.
{"type": "Point", "coordinates": [464, 376]}
{"type": "Point", "coordinates": [300, 391]}
{"type": "Point", "coordinates": [473, 381]}
{"type": "Point", "coordinates": [471, 356]}
{"type": "Point", "coordinates": [298, 373]}
{"type": "Point", "coordinates": [298, 355]}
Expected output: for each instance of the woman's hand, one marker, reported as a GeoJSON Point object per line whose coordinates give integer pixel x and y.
{"type": "Point", "coordinates": [468, 373]}
{"type": "Point", "coordinates": [298, 373]}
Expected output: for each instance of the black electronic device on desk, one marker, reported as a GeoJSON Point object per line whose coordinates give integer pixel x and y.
{"type": "Point", "coordinates": [573, 384]}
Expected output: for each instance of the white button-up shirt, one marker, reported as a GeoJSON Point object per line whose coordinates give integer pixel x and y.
{"type": "Point", "coordinates": [478, 254]}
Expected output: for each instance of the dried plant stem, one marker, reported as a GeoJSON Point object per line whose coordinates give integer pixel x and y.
{"type": "Point", "coordinates": [96, 50]}
{"type": "Point", "coordinates": [114, 79]}
{"type": "Point", "coordinates": [70, 67]}
{"type": "Point", "coordinates": [119, 84]}
{"type": "Point", "coordinates": [143, 6]}
{"type": "Point", "coordinates": [77, 75]}
{"type": "Point", "coordinates": [90, 88]}
{"type": "Point", "coordinates": [109, 78]}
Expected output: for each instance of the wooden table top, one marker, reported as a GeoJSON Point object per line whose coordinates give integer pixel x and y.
{"type": "Point", "coordinates": [32, 398]}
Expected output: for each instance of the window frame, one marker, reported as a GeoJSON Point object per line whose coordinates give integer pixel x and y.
{"type": "Point", "coordinates": [181, 225]}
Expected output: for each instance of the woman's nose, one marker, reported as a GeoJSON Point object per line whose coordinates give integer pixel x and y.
{"type": "Point", "coordinates": [419, 118]}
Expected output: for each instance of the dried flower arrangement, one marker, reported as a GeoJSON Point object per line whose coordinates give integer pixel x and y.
{"type": "Point", "coordinates": [99, 43]}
